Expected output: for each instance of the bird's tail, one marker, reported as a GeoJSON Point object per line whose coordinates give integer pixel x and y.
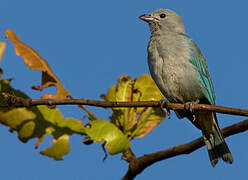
{"type": "Point", "coordinates": [216, 145]}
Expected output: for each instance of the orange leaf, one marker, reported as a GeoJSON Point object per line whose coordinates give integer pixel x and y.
{"type": "Point", "coordinates": [35, 62]}
{"type": "Point", "coordinates": [2, 48]}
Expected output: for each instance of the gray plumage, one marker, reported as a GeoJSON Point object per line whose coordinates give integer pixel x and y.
{"type": "Point", "coordinates": [180, 71]}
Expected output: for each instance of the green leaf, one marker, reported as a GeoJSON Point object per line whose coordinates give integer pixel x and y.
{"type": "Point", "coordinates": [124, 118]}
{"type": "Point", "coordinates": [147, 89]}
{"type": "Point", "coordinates": [135, 121]}
{"type": "Point", "coordinates": [39, 121]}
{"type": "Point", "coordinates": [106, 132]}
{"type": "Point", "coordinates": [60, 148]}
{"type": "Point", "coordinates": [16, 117]}
{"type": "Point", "coordinates": [124, 89]}
{"type": "Point", "coordinates": [149, 117]}
{"type": "Point", "coordinates": [55, 119]}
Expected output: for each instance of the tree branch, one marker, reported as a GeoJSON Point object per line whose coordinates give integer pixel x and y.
{"type": "Point", "coordinates": [15, 101]}
{"type": "Point", "coordinates": [137, 165]}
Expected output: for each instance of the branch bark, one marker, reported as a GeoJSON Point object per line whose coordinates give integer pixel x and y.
{"type": "Point", "coordinates": [137, 165]}
{"type": "Point", "coordinates": [15, 101]}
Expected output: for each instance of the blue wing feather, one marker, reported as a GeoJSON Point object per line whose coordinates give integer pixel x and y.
{"type": "Point", "coordinates": [199, 62]}
{"type": "Point", "coordinates": [204, 77]}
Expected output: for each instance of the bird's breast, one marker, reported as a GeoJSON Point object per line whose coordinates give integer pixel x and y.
{"type": "Point", "coordinates": [174, 74]}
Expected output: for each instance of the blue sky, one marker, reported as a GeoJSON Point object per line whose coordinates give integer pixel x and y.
{"type": "Point", "coordinates": [89, 44]}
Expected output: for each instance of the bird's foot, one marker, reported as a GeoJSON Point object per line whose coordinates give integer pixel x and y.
{"type": "Point", "coordinates": [189, 106]}
{"type": "Point", "coordinates": [164, 108]}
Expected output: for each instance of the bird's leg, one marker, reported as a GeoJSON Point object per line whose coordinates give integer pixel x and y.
{"type": "Point", "coordinates": [163, 107]}
{"type": "Point", "coordinates": [189, 106]}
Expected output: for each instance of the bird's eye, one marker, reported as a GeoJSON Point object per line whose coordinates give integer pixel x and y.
{"type": "Point", "coordinates": [162, 15]}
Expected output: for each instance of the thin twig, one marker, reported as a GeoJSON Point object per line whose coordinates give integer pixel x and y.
{"type": "Point", "coordinates": [88, 112]}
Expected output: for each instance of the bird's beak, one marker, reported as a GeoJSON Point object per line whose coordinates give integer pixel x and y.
{"type": "Point", "coordinates": [147, 17]}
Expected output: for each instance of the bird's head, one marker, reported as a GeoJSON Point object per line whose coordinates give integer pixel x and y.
{"type": "Point", "coordinates": [164, 20]}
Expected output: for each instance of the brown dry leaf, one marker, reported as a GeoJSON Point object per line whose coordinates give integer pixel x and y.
{"type": "Point", "coordinates": [35, 62]}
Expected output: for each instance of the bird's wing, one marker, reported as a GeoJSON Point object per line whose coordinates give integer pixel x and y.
{"type": "Point", "coordinates": [199, 62]}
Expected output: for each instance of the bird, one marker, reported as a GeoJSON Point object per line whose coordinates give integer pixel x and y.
{"type": "Point", "coordinates": [179, 69]}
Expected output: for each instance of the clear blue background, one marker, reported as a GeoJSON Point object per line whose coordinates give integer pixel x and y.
{"type": "Point", "coordinates": [89, 44]}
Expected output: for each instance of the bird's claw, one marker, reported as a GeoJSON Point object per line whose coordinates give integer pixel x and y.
{"type": "Point", "coordinates": [189, 106]}
{"type": "Point", "coordinates": [164, 108]}
{"type": "Point", "coordinates": [194, 118]}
